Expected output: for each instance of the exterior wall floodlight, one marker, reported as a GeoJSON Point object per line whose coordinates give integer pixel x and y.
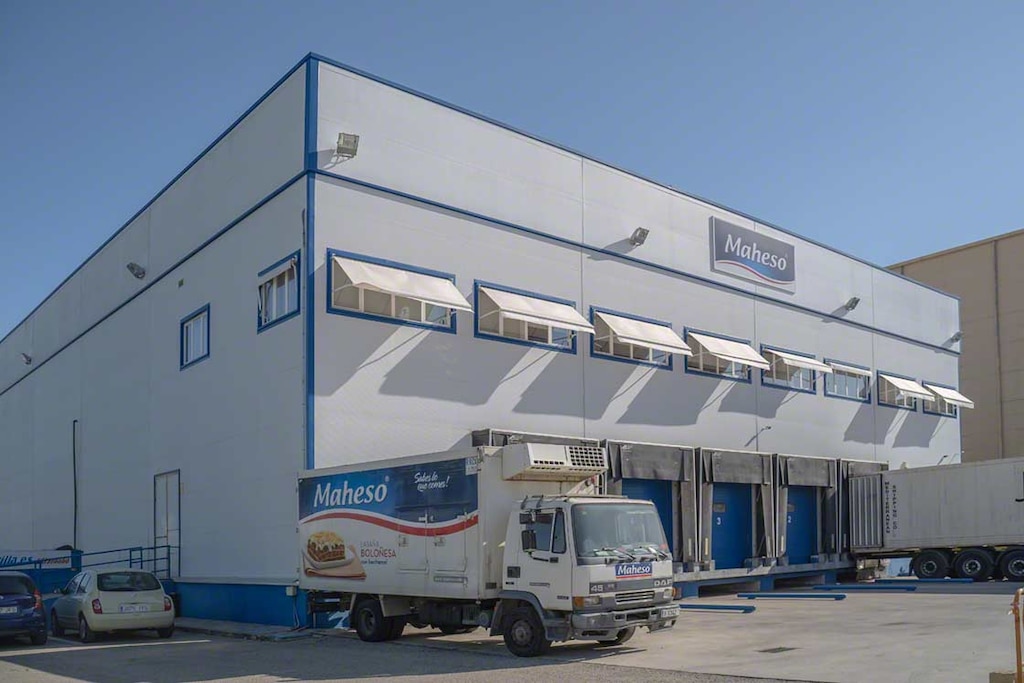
{"type": "Point", "coordinates": [348, 145]}
{"type": "Point", "coordinates": [135, 269]}
{"type": "Point", "coordinates": [26, 358]}
{"type": "Point", "coordinates": [851, 303]}
{"type": "Point", "coordinates": [957, 336]}
{"type": "Point", "coordinates": [639, 236]}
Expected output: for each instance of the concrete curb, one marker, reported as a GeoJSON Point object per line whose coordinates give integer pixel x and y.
{"type": "Point", "coordinates": [242, 631]}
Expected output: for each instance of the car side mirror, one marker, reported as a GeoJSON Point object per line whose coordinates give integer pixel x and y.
{"type": "Point", "coordinates": [529, 540]}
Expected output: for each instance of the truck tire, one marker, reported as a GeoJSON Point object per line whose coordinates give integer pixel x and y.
{"type": "Point", "coordinates": [621, 637]}
{"type": "Point", "coordinates": [524, 633]}
{"type": "Point", "coordinates": [397, 625]}
{"type": "Point", "coordinates": [930, 564]}
{"type": "Point", "coordinates": [368, 618]}
{"type": "Point", "coordinates": [1011, 565]}
{"type": "Point", "coordinates": [975, 564]}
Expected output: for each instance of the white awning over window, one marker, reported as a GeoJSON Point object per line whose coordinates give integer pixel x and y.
{"type": "Point", "coordinates": [430, 289]}
{"type": "Point", "coordinates": [794, 360]}
{"type": "Point", "coordinates": [732, 351]}
{"type": "Point", "coordinates": [277, 270]}
{"type": "Point", "coordinates": [951, 396]}
{"type": "Point", "coordinates": [849, 369]}
{"type": "Point", "coordinates": [908, 387]}
{"type": "Point", "coordinates": [651, 335]}
{"type": "Point", "coordinates": [537, 311]}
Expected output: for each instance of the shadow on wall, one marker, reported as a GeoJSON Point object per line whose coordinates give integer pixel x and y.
{"type": "Point", "coordinates": [609, 382]}
{"type": "Point", "coordinates": [917, 430]}
{"type": "Point", "coordinates": [869, 425]}
{"type": "Point", "coordinates": [557, 390]}
{"type": "Point", "coordinates": [741, 398]}
{"type": "Point", "coordinates": [770, 399]}
{"type": "Point", "coordinates": [665, 401]}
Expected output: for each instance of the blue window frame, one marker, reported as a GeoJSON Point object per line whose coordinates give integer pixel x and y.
{"type": "Point", "coordinates": [889, 395]}
{"type": "Point", "coordinates": [605, 344]}
{"type": "Point", "coordinates": [345, 298]}
{"type": "Point", "coordinates": [490, 324]}
{"type": "Point", "coordinates": [788, 377]}
{"type": "Point", "coordinates": [939, 406]}
{"type": "Point", "coordinates": [280, 292]}
{"type": "Point", "coordinates": [194, 338]}
{"type": "Point", "coordinates": [848, 385]}
{"type": "Point", "coordinates": [703, 362]}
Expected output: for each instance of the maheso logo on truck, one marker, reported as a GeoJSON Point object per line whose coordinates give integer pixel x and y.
{"type": "Point", "coordinates": [752, 255]}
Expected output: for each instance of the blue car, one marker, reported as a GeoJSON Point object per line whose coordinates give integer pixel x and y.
{"type": "Point", "coordinates": [21, 608]}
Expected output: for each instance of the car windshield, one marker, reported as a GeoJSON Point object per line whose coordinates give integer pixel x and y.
{"type": "Point", "coordinates": [617, 530]}
{"type": "Point", "coordinates": [128, 581]}
{"type": "Point", "coordinates": [15, 585]}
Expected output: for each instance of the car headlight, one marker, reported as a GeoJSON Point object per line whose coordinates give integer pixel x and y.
{"type": "Point", "coordinates": [586, 601]}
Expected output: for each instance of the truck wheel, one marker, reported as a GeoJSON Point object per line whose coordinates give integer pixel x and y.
{"type": "Point", "coordinates": [973, 563]}
{"type": "Point", "coordinates": [930, 564]}
{"type": "Point", "coordinates": [1012, 565]}
{"type": "Point", "coordinates": [621, 637]}
{"type": "Point", "coordinates": [396, 628]}
{"type": "Point", "coordinates": [371, 626]}
{"type": "Point", "coordinates": [524, 633]}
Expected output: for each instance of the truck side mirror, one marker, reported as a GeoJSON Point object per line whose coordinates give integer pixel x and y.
{"type": "Point", "coordinates": [529, 540]}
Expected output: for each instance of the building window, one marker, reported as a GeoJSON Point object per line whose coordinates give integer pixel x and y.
{"type": "Point", "coordinates": [851, 382]}
{"type": "Point", "coordinates": [393, 292]}
{"type": "Point", "coordinates": [940, 407]}
{"type": "Point", "coordinates": [899, 392]}
{"type": "Point", "coordinates": [635, 340]}
{"type": "Point", "coordinates": [789, 370]}
{"type": "Point", "coordinates": [195, 337]}
{"type": "Point", "coordinates": [945, 400]}
{"type": "Point", "coordinates": [278, 292]}
{"type": "Point", "coordinates": [527, 318]}
{"type": "Point", "coordinates": [722, 356]}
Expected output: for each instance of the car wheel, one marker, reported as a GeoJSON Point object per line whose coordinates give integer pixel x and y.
{"type": "Point", "coordinates": [1011, 565]}
{"type": "Point", "coordinates": [55, 628]}
{"type": "Point", "coordinates": [975, 564]}
{"type": "Point", "coordinates": [368, 618]}
{"type": "Point", "coordinates": [85, 634]}
{"type": "Point", "coordinates": [622, 636]}
{"type": "Point", "coordinates": [38, 638]}
{"type": "Point", "coordinates": [524, 633]}
{"type": "Point", "coordinates": [165, 632]}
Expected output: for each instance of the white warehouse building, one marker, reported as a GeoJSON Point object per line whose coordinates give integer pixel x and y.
{"type": "Point", "coordinates": [355, 271]}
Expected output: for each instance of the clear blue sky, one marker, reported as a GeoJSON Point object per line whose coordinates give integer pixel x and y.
{"type": "Point", "coordinates": [885, 129]}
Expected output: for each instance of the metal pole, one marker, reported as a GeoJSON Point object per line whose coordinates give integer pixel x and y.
{"type": "Point", "coordinates": [1016, 633]}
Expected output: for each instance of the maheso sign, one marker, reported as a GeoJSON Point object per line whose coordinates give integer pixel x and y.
{"type": "Point", "coordinates": [752, 256]}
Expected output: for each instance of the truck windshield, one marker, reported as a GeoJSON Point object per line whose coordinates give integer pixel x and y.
{"type": "Point", "coordinates": [623, 530]}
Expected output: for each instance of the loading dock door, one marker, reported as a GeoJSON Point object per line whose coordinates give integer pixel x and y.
{"type": "Point", "coordinates": [659, 493]}
{"type": "Point", "coordinates": [801, 524]}
{"type": "Point", "coordinates": [732, 524]}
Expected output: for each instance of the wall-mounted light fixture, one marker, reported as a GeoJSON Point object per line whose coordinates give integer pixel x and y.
{"type": "Point", "coordinates": [639, 236]}
{"type": "Point", "coordinates": [135, 269]}
{"type": "Point", "coordinates": [348, 145]}
{"type": "Point", "coordinates": [851, 303]}
{"type": "Point", "coordinates": [27, 359]}
{"type": "Point", "coordinates": [957, 336]}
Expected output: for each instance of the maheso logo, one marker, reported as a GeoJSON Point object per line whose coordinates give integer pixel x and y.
{"type": "Point", "coordinates": [751, 255]}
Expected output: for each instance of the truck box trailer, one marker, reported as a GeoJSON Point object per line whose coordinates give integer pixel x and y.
{"type": "Point", "coordinates": [514, 539]}
{"type": "Point", "coordinates": [961, 520]}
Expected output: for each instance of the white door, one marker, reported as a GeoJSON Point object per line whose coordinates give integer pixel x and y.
{"type": "Point", "coordinates": [167, 522]}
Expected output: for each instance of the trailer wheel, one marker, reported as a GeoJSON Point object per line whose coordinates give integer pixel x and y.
{"type": "Point", "coordinates": [524, 633]}
{"type": "Point", "coordinates": [973, 563]}
{"type": "Point", "coordinates": [930, 564]}
{"type": "Point", "coordinates": [371, 626]}
{"type": "Point", "coordinates": [1011, 565]}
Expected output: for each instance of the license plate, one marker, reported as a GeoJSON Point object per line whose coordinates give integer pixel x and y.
{"type": "Point", "coordinates": [9, 610]}
{"type": "Point", "coordinates": [669, 612]}
{"type": "Point", "coordinates": [126, 609]}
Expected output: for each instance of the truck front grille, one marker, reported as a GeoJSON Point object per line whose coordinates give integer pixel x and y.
{"type": "Point", "coordinates": [634, 596]}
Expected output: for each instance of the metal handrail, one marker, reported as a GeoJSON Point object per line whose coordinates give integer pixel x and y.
{"type": "Point", "coordinates": [1015, 610]}
{"type": "Point", "coordinates": [138, 556]}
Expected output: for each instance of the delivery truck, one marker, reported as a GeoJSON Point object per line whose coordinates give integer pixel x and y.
{"type": "Point", "coordinates": [514, 539]}
{"type": "Point", "coordinates": [965, 521]}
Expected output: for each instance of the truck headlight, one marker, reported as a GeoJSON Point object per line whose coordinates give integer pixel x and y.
{"type": "Point", "coordinates": [586, 601]}
{"type": "Point", "coordinates": [668, 593]}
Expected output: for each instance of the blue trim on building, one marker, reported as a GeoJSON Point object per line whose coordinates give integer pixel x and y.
{"type": "Point", "coordinates": [631, 259]}
{"type": "Point", "coordinates": [159, 194]}
{"type": "Point", "coordinates": [249, 603]}
{"type": "Point", "coordinates": [786, 387]}
{"type": "Point", "coordinates": [312, 111]}
{"type": "Point", "coordinates": [723, 207]}
{"type": "Point", "coordinates": [632, 361]}
{"type": "Point", "coordinates": [256, 207]}
{"type": "Point", "coordinates": [477, 284]}
{"type": "Point", "coordinates": [924, 404]}
{"type": "Point", "coordinates": [260, 326]}
{"type": "Point", "coordinates": [333, 310]}
{"type": "Point", "coordinates": [702, 373]}
{"type": "Point", "coordinates": [878, 383]}
{"type": "Point", "coordinates": [840, 396]}
{"type": "Point", "coordinates": [181, 337]}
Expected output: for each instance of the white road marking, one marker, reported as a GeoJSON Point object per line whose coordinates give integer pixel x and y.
{"type": "Point", "coordinates": [79, 648]}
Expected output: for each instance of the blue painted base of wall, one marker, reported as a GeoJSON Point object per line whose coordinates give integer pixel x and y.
{"type": "Point", "coordinates": [764, 583]}
{"type": "Point", "coordinates": [250, 603]}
